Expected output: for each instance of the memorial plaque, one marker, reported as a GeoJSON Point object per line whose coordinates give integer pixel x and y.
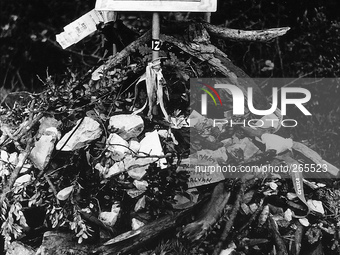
{"type": "Point", "coordinates": [158, 5]}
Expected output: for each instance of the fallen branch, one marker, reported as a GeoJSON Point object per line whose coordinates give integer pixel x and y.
{"type": "Point", "coordinates": [132, 47]}
{"type": "Point", "coordinates": [222, 64]}
{"type": "Point", "coordinates": [143, 235]}
{"type": "Point", "coordinates": [210, 214]}
{"type": "Point", "coordinates": [298, 238]}
{"type": "Point", "coordinates": [249, 36]}
{"type": "Point", "coordinates": [230, 222]}
{"type": "Point", "coordinates": [279, 243]}
{"type": "Point", "coordinates": [16, 171]}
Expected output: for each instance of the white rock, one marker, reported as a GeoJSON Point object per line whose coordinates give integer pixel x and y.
{"type": "Point", "coordinates": [17, 248]}
{"type": "Point", "coordinates": [53, 131]}
{"type": "Point", "coordinates": [275, 142]}
{"type": "Point", "coordinates": [42, 151]}
{"type": "Point", "coordinates": [230, 250]}
{"type": "Point", "coordinates": [110, 218]}
{"type": "Point", "coordinates": [118, 146]}
{"type": "Point", "coordinates": [227, 142]}
{"type": "Point", "coordinates": [253, 207]}
{"type": "Point", "coordinates": [134, 192]}
{"type": "Point", "coordinates": [140, 204]}
{"type": "Point", "coordinates": [136, 167]}
{"type": "Point", "coordinates": [316, 206]}
{"type": "Point", "coordinates": [151, 145]}
{"type": "Point", "coordinates": [245, 208]}
{"type": "Point", "coordinates": [141, 185]}
{"type": "Point", "coordinates": [115, 169]}
{"type": "Point", "coordinates": [134, 146]}
{"type": "Point", "coordinates": [48, 126]}
{"type": "Point", "coordinates": [100, 168]}
{"type": "Point", "coordinates": [4, 155]}
{"type": "Point", "coordinates": [304, 222]}
{"type": "Point", "coordinates": [136, 224]}
{"type": "Point", "coordinates": [128, 125]}
{"type": "Point", "coordinates": [65, 193]}
{"type": "Point", "coordinates": [272, 185]}
{"type": "Point", "coordinates": [84, 133]}
{"type": "Point", "coordinates": [291, 195]}
{"type": "Point", "coordinates": [137, 173]}
{"type": "Point", "coordinates": [98, 73]}
{"type": "Point", "coordinates": [288, 215]}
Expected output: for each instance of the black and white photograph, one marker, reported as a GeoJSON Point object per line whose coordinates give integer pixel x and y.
{"type": "Point", "coordinates": [169, 127]}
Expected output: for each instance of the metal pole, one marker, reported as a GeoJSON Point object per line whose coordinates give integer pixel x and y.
{"type": "Point", "coordinates": [155, 35]}
{"type": "Point", "coordinates": [207, 17]}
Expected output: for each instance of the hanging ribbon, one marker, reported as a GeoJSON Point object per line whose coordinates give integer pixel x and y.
{"type": "Point", "coordinates": [154, 88]}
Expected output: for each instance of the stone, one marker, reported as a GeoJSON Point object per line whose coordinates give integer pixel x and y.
{"type": "Point", "coordinates": [316, 206]}
{"type": "Point", "coordinates": [110, 218]}
{"type": "Point", "coordinates": [42, 151]}
{"type": "Point", "coordinates": [115, 169]}
{"type": "Point", "coordinates": [47, 125]}
{"type": "Point", "coordinates": [17, 248]}
{"type": "Point", "coordinates": [85, 131]}
{"type": "Point", "coordinates": [136, 224]}
{"type": "Point", "coordinates": [151, 145]}
{"type": "Point", "coordinates": [141, 185]}
{"type": "Point", "coordinates": [275, 142]}
{"type": "Point", "coordinates": [140, 204]}
{"type": "Point", "coordinates": [128, 125]}
{"type": "Point", "coordinates": [133, 193]}
{"type": "Point", "coordinates": [134, 146]}
{"type": "Point", "coordinates": [118, 146]}
{"type": "Point", "coordinates": [61, 243]}
{"type": "Point", "coordinates": [136, 167]}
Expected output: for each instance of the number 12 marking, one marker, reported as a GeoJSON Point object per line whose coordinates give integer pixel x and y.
{"type": "Point", "coordinates": [156, 45]}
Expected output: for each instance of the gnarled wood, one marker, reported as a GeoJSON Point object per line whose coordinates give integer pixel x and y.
{"type": "Point", "coordinates": [242, 35]}
{"type": "Point", "coordinates": [147, 234]}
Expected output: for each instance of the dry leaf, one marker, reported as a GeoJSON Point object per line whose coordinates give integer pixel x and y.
{"type": "Point", "coordinates": [65, 193]}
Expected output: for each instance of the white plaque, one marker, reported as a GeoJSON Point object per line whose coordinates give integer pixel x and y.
{"type": "Point", "coordinates": [158, 5]}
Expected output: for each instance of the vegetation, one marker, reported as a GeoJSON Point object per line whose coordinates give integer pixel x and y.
{"type": "Point", "coordinates": [60, 85]}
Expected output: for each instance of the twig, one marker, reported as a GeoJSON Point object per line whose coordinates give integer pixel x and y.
{"type": "Point", "coordinates": [74, 52]}
{"type": "Point", "coordinates": [132, 47]}
{"type": "Point", "coordinates": [52, 187]}
{"type": "Point", "coordinates": [252, 218]}
{"type": "Point", "coordinates": [279, 243]}
{"type": "Point", "coordinates": [231, 220]}
{"type": "Point", "coordinates": [20, 132]}
{"type": "Point", "coordinates": [16, 171]}
{"type": "Point", "coordinates": [298, 238]}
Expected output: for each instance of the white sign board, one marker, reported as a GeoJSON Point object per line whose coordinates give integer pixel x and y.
{"type": "Point", "coordinates": [158, 5]}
